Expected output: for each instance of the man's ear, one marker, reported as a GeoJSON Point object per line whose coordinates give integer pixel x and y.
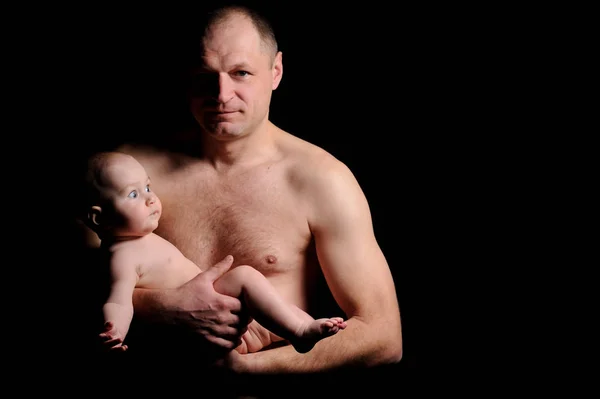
{"type": "Point", "coordinates": [277, 70]}
{"type": "Point", "coordinates": [94, 216]}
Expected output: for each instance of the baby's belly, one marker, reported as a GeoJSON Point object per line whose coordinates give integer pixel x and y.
{"type": "Point", "coordinates": [256, 338]}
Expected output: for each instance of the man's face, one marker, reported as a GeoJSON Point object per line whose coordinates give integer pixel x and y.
{"type": "Point", "coordinates": [231, 92]}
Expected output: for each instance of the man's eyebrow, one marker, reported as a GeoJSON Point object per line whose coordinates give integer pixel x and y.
{"type": "Point", "coordinates": [241, 65]}
{"type": "Point", "coordinates": [237, 66]}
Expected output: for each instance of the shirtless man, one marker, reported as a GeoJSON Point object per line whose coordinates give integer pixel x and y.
{"type": "Point", "coordinates": [247, 188]}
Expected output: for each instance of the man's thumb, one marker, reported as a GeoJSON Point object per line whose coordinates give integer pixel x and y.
{"type": "Point", "coordinates": [220, 268]}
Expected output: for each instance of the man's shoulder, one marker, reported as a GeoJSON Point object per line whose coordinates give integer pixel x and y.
{"type": "Point", "coordinates": [314, 168]}
{"type": "Point", "coordinates": [308, 157]}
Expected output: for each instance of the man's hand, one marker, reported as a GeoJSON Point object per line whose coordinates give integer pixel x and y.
{"type": "Point", "coordinates": [216, 317]}
{"type": "Point", "coordinates": [234, 361]}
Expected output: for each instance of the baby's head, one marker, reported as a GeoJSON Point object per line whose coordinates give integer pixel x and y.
{"type": "Point", "coordinates": [119, 203]}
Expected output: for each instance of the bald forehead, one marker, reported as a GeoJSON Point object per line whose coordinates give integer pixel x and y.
{"type": "Point", "coordinates": [231, 17]}
{"type": "Point", "coordinates": [235, 28]}
{"type": "Point", "coordinates": [229, 31]}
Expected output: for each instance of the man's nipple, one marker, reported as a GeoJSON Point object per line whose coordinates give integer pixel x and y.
{"type": "Point", "coordinates": [271, 259]}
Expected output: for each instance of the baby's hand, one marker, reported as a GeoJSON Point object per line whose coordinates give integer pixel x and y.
{"type": "Point", "coordinates": [111, 338]}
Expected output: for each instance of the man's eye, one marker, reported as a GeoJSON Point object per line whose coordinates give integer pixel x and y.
{"type": "Point", "coordinates": [201, 82]}
{"type": "Point", "coordinates": [242, 73]}
{"type": "Point", "coordinates": [133, 194]}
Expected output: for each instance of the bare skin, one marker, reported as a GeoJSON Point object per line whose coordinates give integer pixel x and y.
{"type": "Point", "coordinates": [125, 214]}
{"type": "Point", "coordinates": [273, 201]}
{"type": "Point", "coordinates": [265, 215]}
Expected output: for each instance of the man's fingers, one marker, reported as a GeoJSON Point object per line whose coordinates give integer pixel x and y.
{"type": "Point", "coordinates": [224, 343]}
{"type": "Point", "coordinates": [233, 305]}
{"type": "Point", "coordinates": [219, 269]}
{"type": "Point", "coordinates": [231, 333]}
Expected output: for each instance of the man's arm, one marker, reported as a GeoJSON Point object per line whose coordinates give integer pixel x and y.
{"type": "Point", "coordinates": [359, 278]}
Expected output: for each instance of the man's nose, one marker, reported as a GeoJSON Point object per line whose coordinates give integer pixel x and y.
{"type": "Point", "coordinates": [217, 86]}
{"type": "Point", "coordinates": [224, 88]}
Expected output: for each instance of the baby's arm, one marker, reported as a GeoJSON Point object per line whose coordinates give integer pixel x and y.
{"type": "Point", "coordinates": [118, 308]}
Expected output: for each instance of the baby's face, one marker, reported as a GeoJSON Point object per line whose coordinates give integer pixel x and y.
{"type": "Point", "coordinates": [135, 209]}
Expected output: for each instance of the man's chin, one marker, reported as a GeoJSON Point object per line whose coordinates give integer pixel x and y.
{"type": "Point", "coordinates": [225, 131]}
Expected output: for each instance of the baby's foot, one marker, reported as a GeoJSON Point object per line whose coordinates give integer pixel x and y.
{"type": "Point", "coordinates": [316, 331]}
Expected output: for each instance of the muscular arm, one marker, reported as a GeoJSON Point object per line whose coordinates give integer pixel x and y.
{"type": "Point", "coordinates": [359, 278]}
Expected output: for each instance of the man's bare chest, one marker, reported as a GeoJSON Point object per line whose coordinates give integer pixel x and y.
{"type": "Point", "coordinates": [261, 225]}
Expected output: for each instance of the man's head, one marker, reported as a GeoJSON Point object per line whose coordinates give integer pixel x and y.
{"type": "Point", "coordinates": [118, 199]}
{"type": "Point", "coordinates": [239, 69]}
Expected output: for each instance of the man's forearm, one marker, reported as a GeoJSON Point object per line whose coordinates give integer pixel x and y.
{"type": "Point", "coordinates": [150, 304]}
{"type": "Point", "coordinates": [359, 345]}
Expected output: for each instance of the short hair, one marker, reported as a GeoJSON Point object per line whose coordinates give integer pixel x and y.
{"type": "Point", "coordinates": [259, 20]}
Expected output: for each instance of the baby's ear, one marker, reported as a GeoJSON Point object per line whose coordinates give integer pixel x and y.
{"type": "Point", "coordinates": [94, 216]}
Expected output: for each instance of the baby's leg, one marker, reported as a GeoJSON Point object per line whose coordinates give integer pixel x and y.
{"type": "Point", "coordinates": [270, 309]}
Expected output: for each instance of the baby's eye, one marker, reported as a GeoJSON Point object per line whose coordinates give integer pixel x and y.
{"type": "Point", "coordinates": [148, 188]}
{"type": "Point", "coordinates": [133, 194]}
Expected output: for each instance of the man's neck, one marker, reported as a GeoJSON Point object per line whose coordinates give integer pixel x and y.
{"type": "Point", "coordinates": [249, 150]}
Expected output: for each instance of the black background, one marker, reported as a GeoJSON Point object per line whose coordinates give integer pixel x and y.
{"type": "Point", "coordinates": [436, 109]}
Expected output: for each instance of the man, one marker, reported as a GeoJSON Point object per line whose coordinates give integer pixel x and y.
{"type": "Point", "coordinates": [272, 200]}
